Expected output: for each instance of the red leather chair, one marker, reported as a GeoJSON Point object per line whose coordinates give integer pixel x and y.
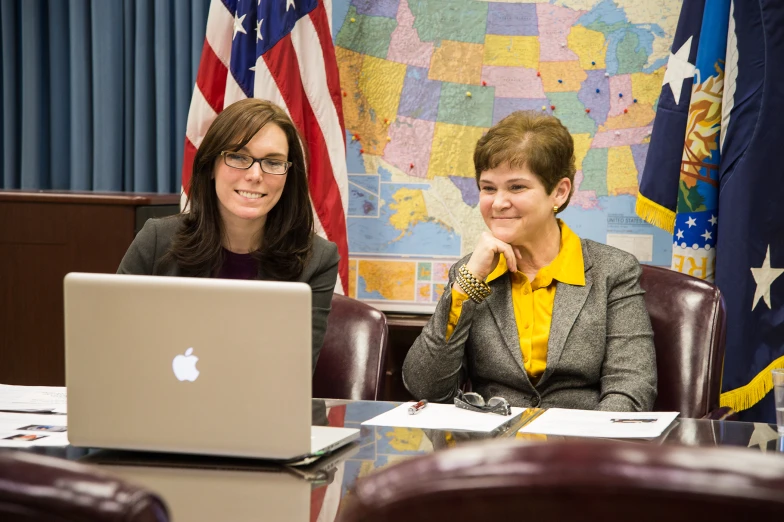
{"type": "Point", "coordinates": [351, 362]}
{"type": "Point", "coordinates": [40, 488]}
{"type": "Point", "coordinates": [688, 318]}
{"type": "Point", "coordinates": [582, 480]}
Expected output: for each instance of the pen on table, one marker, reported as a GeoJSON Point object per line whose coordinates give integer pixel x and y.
{"type": "Point", "coordinates": [633, 420]}
{"type": "Point", "coordinates": [416, 408]}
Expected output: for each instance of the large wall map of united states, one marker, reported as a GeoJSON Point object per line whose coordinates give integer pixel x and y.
{"type": "Point", "coordinates": [422, 80]}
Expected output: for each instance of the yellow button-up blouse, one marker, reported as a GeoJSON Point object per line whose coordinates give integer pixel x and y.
{"type": "Point", "coordinates": [533, 300]}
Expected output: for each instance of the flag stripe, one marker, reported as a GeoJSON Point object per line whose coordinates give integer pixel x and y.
{"type": "Point", "coordinates": [220, 29]}
{"type": "Point", "coordinates": [234, 92]}
{"type": "Point", "coordinates": [330, 61]}
{"type": "Point", "coordinates": [282, 60]}
{"type": "Point", "coordinates": [187, 163]}
{"type": "Point", "coordinates": [311, 67]}
{"type": "Point", "coordinates": [211, 78]}
{"type": "Point", "coordinates": [200, 117]}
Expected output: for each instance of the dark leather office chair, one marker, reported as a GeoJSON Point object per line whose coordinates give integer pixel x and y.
{"type": "Point", "coordinates": [688, 318]}
{"type": "Point", "coordinates": [581, 480]}
{"type": "Point", "coordinates": [40, 488]}
{"type": "Point", "coordinates": [351, 363]}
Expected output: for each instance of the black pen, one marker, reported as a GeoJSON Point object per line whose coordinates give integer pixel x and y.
{"type": "Point", "coordinates": [633, 420]}
{"type": "Point", "coordinates": [416, 408]}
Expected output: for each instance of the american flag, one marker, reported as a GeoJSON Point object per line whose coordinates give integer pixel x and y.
{"type": "Point", "coordinates": [281, 51]}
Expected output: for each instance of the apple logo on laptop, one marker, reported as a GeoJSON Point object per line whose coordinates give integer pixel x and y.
{"type": "Point", "coordinates": [184, 366]}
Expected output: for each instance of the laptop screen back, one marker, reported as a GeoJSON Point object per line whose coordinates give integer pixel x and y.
{"type": "Point", "coordinates": [205, 366]}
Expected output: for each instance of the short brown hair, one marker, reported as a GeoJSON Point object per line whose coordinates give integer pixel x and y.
{"type": "Point", "coordinates": [288, 230]}
{"type": "Point", "coordinates": [529, 139]}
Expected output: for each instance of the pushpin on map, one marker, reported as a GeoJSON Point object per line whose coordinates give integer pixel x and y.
{"type": "Point", "coordinates": [361, 151]}
{"type": "Point", "coordinates": [625, 111]}
{"type": "Point", "coordinates": [587, 111]}
{"type": "Point", "coordinates": [389, 138]}
{"type": "Point", "coordinates": [353, 19]}
{"type": "Point", "coordinates": [411, 165]}
{"type": "Point", "coordinates": [544, 107]}
{"type": "Point", "coordinates": [468, 94]}
{"type": "Point", "coordinates": [606, 75]}
{"type": "Point", "coordinates": [484, 83]}
{"type": "Point", "coordinates": [552, 107]}
{"type": "Point", "coordinates": [617, 133]}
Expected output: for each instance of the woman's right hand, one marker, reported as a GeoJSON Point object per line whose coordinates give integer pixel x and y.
{"type": "Point", "coordinates": [486, 254]}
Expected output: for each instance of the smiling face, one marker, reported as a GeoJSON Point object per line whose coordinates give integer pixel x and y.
{"type": "Point", "coordinates": [245, 197]}
{"type": "Point", "coordinates": [515, 204]}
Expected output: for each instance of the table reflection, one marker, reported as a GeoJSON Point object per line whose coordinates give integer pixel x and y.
{"type": "Point", "coordinates": [202, 488]}
{"type": "Point", "coordinates": [197, 489]}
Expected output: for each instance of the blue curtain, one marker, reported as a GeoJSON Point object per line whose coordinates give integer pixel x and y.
{"type": "Point", "coordinates": [95, 94]}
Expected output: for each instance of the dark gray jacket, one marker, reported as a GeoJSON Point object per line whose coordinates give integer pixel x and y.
{"type": "Point", "coordinates": [600, 354]}
{"type": "Point", "coordinates": [144, 257]}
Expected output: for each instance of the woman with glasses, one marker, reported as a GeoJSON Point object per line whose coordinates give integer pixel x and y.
{"type": "Point", "coordinates": [535, 315]}
{"type": "Point", "coordinates": [249, 216]}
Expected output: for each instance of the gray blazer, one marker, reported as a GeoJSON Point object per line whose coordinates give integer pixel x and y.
{"type": "Point", "coordinates": [144, 257]}
{"type": "Point", "coordinates": [600, 354]}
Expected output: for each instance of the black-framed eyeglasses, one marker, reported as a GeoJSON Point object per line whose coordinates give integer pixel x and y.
{"type": "Point", "coordinates": [475, 402]}
{"type": "Point", "coordinates": [238, 160]}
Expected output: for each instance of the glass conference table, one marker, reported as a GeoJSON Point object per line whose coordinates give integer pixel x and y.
{"type": "Point", "coordinates": [208, 489]}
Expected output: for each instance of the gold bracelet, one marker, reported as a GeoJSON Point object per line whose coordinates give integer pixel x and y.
{"type": "Point", "coordinates": [475, 289]}
{"type": "Point", "coordinates": [469, 290]}
{"type": "Point", "coordinates": [480, 286]}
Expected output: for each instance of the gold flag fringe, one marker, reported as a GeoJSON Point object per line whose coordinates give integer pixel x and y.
{"type": "Point", "coordinates": [655, 214]}
{"type": "Point", "coordinates": [747, 396]}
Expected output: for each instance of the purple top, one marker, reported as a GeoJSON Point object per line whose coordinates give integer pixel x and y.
{"type": "Point", "coordinates": [238, 266]}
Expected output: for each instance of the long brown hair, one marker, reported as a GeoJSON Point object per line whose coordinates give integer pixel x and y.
{"type": "Point", "coordinates": [288, 230]}
{"type": "Point", "coordinates": [528, 138]}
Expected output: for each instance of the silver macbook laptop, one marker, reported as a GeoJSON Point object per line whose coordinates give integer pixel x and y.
{"type": "Point", "coordinates": [192, 365]}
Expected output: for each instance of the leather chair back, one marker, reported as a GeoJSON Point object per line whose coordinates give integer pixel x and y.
{"type": "Point", "coordinates": [351, 362]}
{"type": "Point", "coordinates": [585, 480]}
{"type": "Point", "coordinates": [688, 318]}
{"type": "Point", "coordinates": [40, 488]}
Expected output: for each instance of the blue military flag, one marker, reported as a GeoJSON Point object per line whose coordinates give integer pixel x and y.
{"type": "Point", "coordinates": [722, 203]}
{"type": "Point", "coordinates": [750, 247]}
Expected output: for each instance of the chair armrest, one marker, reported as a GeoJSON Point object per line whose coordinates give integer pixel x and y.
{"type": "Point", "coordinates": [37, 487]}
{"type": "Point", "coordinates": [723, 413]}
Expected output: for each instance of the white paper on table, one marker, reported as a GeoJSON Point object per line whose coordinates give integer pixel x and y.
{"type": "Point", "coordinates": [442, 417]}
{"type": "Point", "coordinates": [589, 423]}
{"type": "Point", "coordinates": [36, 426]}
{"type": "Point", "coordinates": [33, 399]}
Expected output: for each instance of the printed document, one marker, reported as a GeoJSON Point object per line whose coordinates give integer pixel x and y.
{"type": "Point", "coordinates": [32, 399]}
{"type": "Point", "coordinates": [443, 417]}
{"type": "Point", "coordinates": [22, 430]}
{"type": "Point", "coordinates": [600, 424]}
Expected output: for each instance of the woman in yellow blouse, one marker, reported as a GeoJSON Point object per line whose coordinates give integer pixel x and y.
{"type": "Point", "coordinates": [535, 314]}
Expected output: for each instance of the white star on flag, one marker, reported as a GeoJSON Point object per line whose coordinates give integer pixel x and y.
{"type": "Point", "coordinates": [290, 3]}
{"type": "Point", "coordinates": [679, 235]}
{"type": "Point", "coordinates": [238, 25]}
{"type": "Point", "coordinates": [706, 235]}
{"type": "Point", "coordinates": [761, 435]}
{"type": "Point", "coordinates": [678, 70]}
{"type": "Point", "coordinates": [764, 277]}
{"type": "Point", "coordinates": [691, 222]}
{"type": "Point", "coordinates": [258, 30]}
{"type": "Point", "coordinates": [713, 220]}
